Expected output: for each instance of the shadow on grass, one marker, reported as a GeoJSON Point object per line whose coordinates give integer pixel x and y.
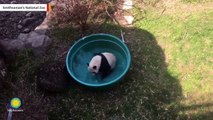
{"type": "Point", "coordinates": [147, 92]}
{"type": "Point", "coordinates": [193, 107]}
{"type": "Point", "coordinates": [197, 112]}
{"type": "Point", "coordinates": [201, 116]}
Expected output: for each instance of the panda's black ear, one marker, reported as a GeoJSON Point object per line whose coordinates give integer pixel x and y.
{"type": "Point", "coordinates": [87, 64]}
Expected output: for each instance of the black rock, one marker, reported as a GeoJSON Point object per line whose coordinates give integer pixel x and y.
{"type": "Point", "coordinates": [52, 78]}
{"type": "Point", "coordinates": [28, 21]}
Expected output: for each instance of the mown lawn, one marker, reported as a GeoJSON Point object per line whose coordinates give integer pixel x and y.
{"type": "Point", "coordinates": [171, 73]}
{"type": "Point", "coordinates": [187, 41]}
{"type": "Point", "coordinates": [170, 76]}
{"type": "Point", "coordinates": [196, 1]}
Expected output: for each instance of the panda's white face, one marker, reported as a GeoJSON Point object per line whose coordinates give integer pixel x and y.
{"type": "Point", "coordinates": [94, 64]}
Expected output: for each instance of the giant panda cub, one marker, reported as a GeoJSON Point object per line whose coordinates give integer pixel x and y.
{"type": "Point", "coordinates": [102, 64]}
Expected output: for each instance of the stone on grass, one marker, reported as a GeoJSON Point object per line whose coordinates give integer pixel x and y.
{"type": "Point", "coordinates": [41, 31]}
{"type": "Point", "coordinates": [16, 44]}
{"type": "Point", "coordinates": [29, 14]}
{"type": "Point", "coordinates": [28, 21]}
{"type": "Point", "coordinates": [26, 30]}
{"type": "Point", "coordinates": [12, 45]}
{"type": "Point", "coordinates": [36, 2]}
{"type": "Point", "coordinates": [47, 41]}
{"type": "Point", "coordinates": [129, 19]}
{"type": "Point", "coordinates": [127, 4]}
{"type": "Point", "coordinates": [33, 36]}
{"type": "Point", "coordinates": [23, 37]}
{"type": "Point", "coordinates": [38, 41]}
{"type": "Point", "coordinates": [13, 2]}
{"type": "Point", "coordinates": [19, 26]}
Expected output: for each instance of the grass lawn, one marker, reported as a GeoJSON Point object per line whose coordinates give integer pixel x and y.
{"type": "Point", "coordinates": [170, 76]}
{"type": "Point", "coordinates": [187, 41]}
{"type": "Point", "coordinates": [196, 1]}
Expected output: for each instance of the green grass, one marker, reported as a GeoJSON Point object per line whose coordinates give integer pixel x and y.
{"type": "Point", "coordinates": [170, 76]}
{"type": "Point", "coordinates": [196, 1]}
{"type": "Point", "coordinates": [188, 48]}
{"type": "Point", "coordinates": [142, 94]}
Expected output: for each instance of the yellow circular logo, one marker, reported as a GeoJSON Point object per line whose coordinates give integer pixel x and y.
{"type": "Point", "coordinates": [15, 103]}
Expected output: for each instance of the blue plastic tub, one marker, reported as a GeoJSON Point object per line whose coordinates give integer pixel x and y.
{"type": "Point", "coordinates": [82, 52]}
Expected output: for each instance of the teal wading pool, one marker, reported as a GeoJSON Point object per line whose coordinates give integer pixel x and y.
{"type": "Point", "coordinates": [84, 49]}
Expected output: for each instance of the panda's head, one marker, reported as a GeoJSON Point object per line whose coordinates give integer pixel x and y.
{"type": "Point", "coordinates": [94, 64]}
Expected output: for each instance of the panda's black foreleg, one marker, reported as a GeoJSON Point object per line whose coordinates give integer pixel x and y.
{"type": "Point", "coordinates": [105, 74]}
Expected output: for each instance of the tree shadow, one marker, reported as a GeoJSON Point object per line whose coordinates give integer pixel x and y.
{"type": "Point", "coordinates": [197, 112]}
{"type": "Point", "coordinates": [148, 91]}
{"type": "Point", "coordinates": [201, 116]}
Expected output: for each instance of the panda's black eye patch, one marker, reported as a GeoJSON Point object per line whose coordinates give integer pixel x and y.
{"type": "Point", "coordinates": [94, 67]}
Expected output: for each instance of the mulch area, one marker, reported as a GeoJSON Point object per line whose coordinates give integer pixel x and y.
{"type": "Point", "coordinates": [10, 21]}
